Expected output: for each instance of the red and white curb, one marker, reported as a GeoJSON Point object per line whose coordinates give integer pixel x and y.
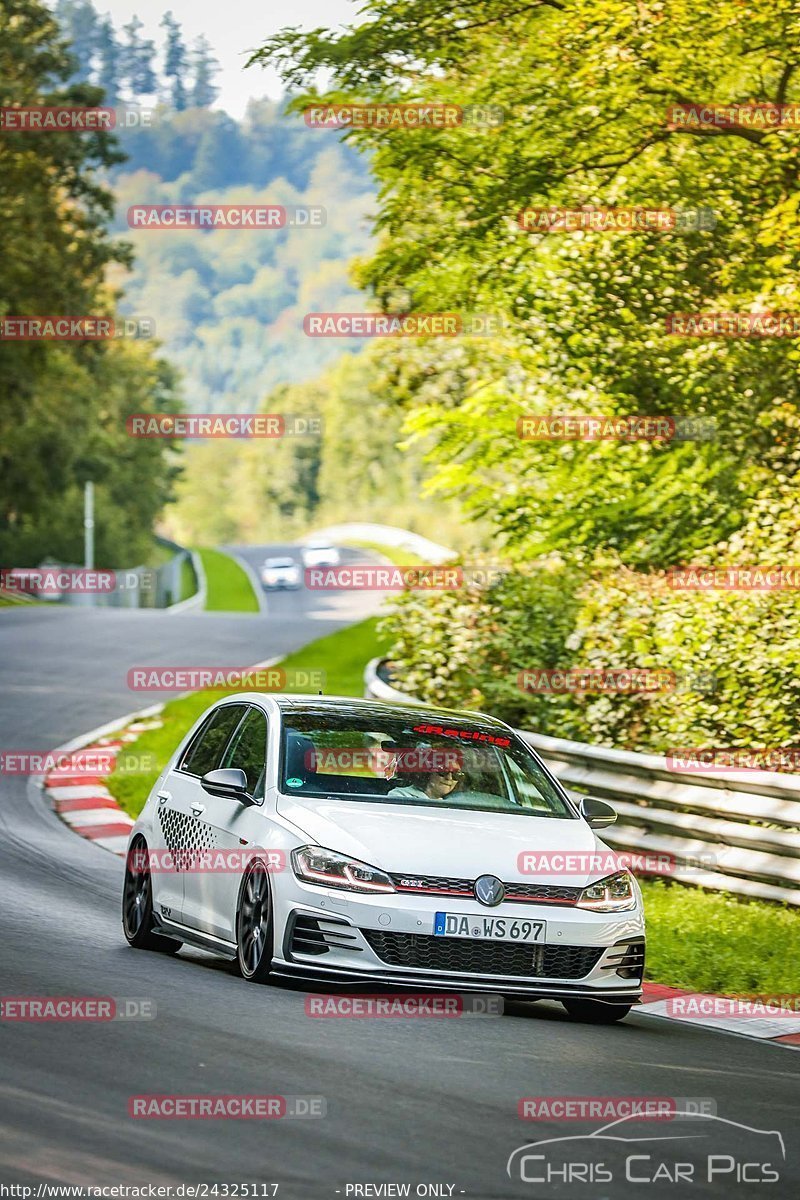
{"type": "Point", "coordinates": [84, 802]}
{"type": "Point", "coordinates": [657, 1001]}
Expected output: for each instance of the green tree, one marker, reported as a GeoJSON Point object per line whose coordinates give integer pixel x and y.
{"type": "Point", "coordinates": [585, 90]}
{"type": "Point", "coordinates": [79, 22]}
{"type": "Point", "coordinates": [108, 53]}
{"type": "Point", "coordinates": [63, 404]}
{"type": "Point", "coordinates": [175, 61]}
{"type": "Point", "coordinates": [138, 54]}
{"type": "Point", "coordinates": [203, 93]}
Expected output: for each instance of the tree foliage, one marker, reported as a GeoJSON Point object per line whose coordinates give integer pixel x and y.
{"type": "Point", "coordinates": [63, 404]}
{"type": "Point", "coordinates": [234, 323]}
{"type": "Point", "coordinates": [126, 65]}
{"type": "Point", "coordinates": [263, 490]}
{"type": "Point", "coordinates": [585, 88]}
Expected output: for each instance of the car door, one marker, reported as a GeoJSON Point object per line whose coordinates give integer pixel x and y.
{"type": "Point", "coordinates": [178, 824]}
{"type": "Point", "coordinates": [235, 825]}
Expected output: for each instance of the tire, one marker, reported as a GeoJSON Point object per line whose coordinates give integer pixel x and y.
{"type": "Point", "coordinates": [596, 1012]}
{"type": "Point", "coordinates": [137, 903]}
{"type": "Point", "coordinates": [254, 926]}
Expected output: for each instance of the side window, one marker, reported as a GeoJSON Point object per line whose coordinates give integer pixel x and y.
{"type": "Point", "coordinates": [206, 750]}
{"type": "Point", "coordinates": [248, 751]}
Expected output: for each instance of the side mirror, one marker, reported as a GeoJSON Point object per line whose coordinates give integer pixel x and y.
{"type": "Point", "coordinates": [229, 782]}
{"type": "Point", "coordinates": [598, 814]}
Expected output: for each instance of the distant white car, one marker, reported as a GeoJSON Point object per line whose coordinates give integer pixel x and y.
{"type": "Point", "coordinates": [320, 554]}
{"type": "Point", "coordinates": [359, 842]}
{"type": "Point", "coordinates": [280, 573]}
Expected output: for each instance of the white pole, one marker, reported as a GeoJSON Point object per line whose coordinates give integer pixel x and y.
{"type": "Point", "coordinates": [88, 525]}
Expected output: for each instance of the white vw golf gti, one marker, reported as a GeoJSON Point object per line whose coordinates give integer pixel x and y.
{"type": "Point", "coordinates": [353, 841]}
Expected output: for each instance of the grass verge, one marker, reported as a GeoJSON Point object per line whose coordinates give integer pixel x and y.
{"type": "Point", "coordinates": [400, 558]}
{"type": "Point", "coordinates": [188, 580]}
{"type": "Point", "coordinates": [228, 588]}
{"type": "Point", "coordinates": [714, 942]}
{"type": "Point", "coordinates": [341, 655]}
{"type": "Point", "coordinates": [7, 600]}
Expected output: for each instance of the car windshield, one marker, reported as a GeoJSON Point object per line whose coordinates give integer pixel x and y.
{"type": "Point", "coordinates": [279, 562]}
{"type": "Point", "coordinates": [432, 762]}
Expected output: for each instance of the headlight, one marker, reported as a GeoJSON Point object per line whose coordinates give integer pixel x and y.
{"type": "Point", "coordinates": [316, 865]}
{"type": "Point", "coordinates": [613, 894]}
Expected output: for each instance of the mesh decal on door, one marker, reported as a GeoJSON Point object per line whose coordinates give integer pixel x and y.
{"type": "Point", "coordinates": [185, 837]}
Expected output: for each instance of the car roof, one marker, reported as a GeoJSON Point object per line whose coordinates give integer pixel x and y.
{"type": "Point", "coordinates": [320, 705]}
{"type": "Point", "coordinates": [279, 562]}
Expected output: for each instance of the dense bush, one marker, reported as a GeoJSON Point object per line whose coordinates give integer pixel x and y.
{"type": "Point", "coordinates": [735, 655]}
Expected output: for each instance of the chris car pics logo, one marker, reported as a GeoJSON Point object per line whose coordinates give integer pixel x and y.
{"type": "Point", "coordinates": [701, 1149]}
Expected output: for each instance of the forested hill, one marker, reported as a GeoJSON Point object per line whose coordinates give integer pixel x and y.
{"type": "Point", "coordinates": [228, 306]}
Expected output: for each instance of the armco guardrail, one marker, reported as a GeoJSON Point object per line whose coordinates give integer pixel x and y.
{"type": "Point", "coordinates": [747, 823]}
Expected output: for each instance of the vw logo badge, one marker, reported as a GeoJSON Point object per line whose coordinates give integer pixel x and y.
{"type": "Point", "coordinates": [489, 890]}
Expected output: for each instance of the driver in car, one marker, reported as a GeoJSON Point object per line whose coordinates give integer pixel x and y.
{"type": "Point", "coordinates": [437, 782]}
{"type": "Point", "coordinates": [432, 785]}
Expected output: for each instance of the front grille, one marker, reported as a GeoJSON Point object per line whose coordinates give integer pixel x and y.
{"type": "Point", "coordinates": [482, 957]}
{"type": "Point", "coordinates": [542, 892]}
{"type": "Point", "coordinates": [520, 893]}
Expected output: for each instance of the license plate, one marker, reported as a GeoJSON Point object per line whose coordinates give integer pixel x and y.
{"type": "Point", "coordinates": [498, 929]}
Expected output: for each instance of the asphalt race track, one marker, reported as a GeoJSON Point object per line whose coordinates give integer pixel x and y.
{"type": "Point", "coordinates": [412, 1101]}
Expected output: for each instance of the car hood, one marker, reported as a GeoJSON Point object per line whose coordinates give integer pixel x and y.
{"type": "Point", "coordinates": [426, 841]}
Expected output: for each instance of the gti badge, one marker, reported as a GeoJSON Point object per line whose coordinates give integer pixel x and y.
{"type": "Point", "coordinates": [489, 890]}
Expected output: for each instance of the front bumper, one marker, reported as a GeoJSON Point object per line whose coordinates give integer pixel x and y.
{"type": "Point", "coordinates": [388, 939]}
